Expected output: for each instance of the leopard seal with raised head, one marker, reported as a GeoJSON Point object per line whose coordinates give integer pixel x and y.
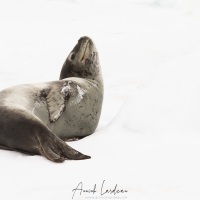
{"type": "Point", "coordinates": [37, 118]}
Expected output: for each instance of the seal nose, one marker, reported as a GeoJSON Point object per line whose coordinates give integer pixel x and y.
{"type": "Point", "coordinates": [84, 38]}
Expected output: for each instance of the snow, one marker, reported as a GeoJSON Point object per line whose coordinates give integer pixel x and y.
{"type": "Point", "coordinates": [80, 95]}
{"type": "Point", "coordinates": [147, 141]}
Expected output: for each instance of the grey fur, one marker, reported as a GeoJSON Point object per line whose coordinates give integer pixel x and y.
{"type": "Point", "coordinates": [36, 118]}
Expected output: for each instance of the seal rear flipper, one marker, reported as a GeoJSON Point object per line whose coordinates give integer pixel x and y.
{"type": "Point", "coordinates": [46, 151]}
{"type": "Point", "coordinates": [50, 155]}
{"type": "Point", "coordinates": [56, 150]}
{"type": "Point", "coordinates": [70, 153]}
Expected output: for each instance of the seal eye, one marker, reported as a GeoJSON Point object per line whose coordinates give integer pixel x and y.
{"type": "Point", "coordinates": [72, 56]}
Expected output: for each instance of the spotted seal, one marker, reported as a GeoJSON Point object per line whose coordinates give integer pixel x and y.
{"type": "Point", "coordinates": [38, 118]}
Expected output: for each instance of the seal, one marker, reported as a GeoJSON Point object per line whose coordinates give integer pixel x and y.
{"type": "Point", "coordinates": [38, 118]}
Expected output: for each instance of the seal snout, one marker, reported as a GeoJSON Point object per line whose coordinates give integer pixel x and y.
{"type": "Point", "coordinates": [82, 50]}
{"type": "Point", "coordinates": [85, 48]}
{"type": "Point", "coordinates": [84, 38]}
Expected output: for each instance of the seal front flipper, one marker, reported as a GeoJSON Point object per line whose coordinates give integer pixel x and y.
{"type": "Point", "coordinates": [56, 99]}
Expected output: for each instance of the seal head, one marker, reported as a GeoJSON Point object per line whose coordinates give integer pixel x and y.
{"type": "Point", "coordinates": [83, 61]}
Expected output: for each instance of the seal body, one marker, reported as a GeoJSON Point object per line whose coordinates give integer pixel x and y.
{"type": "Point", "coordinates": [69, 107]}
{"type": "Point", "coordinates": [36, 118]}
{"type": "Point", "coordinates": [82, 113]}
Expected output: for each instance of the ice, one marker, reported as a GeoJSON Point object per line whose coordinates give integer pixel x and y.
{"type": "Point", "coordinates": [80, 95]}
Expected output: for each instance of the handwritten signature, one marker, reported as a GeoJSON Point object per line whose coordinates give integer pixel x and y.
{"type": "Point", "coordinates": [80, 189]}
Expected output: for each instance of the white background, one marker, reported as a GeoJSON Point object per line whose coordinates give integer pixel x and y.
{"type": "Point", "coordinates": [148, 138]}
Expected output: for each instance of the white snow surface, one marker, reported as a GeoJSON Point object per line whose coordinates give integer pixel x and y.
{"type": "Point", "coordinates": [148, 138]}
{"type": "Point", "coordinates": [80, 94]}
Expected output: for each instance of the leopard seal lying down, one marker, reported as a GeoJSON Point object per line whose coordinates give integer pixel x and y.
{"type": "Point", "coordinates": [38, 118]}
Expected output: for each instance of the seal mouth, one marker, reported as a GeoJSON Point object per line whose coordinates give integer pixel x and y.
{"type": "Point", "coordinates": [85, 49]}
{"type": "Point", "coordinates": [82, 51]}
